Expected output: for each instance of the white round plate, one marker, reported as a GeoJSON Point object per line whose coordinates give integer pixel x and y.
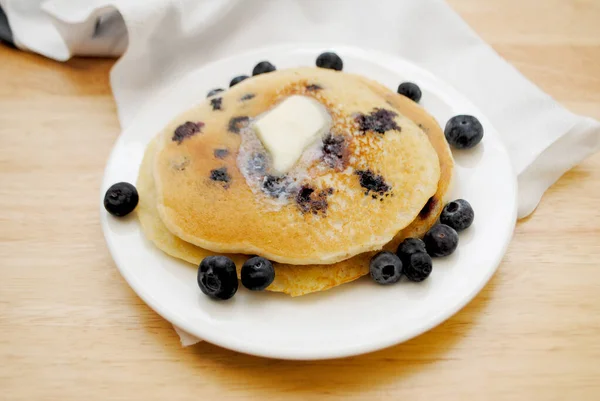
{"type": "Point", "coordinates": [353, 318]}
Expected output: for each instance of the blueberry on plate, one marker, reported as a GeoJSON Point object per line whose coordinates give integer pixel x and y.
{"type": "Point", "coordinates": [441, 240]}
{"type": "Point", "coordinates": [257, 273]}
{"type": "Point", "coordinates": [385, 268]}
{"type": "Point", "coordinates": [458, 214]}
{"type": "Point", "coordinates": [330, 61]}
{"type": "Point", "coordinates": [411, 91]}
{"type": "Point", "coordinates": [217, 277]}
{"type": "Point", "coordinates": [408, 247]}
{"type": "Point", "coordinates": [237, 80]}
{"type": "Point", "coordinates": [418, 267]}
{"type": "Point", "coordinates": [463, 132]}
{"type": "Point", "coordinates": [214, 92]}
{"type": "Point", "coordinates": [120, 199]}
{"type": "Point", "coordinates": [263, 67]}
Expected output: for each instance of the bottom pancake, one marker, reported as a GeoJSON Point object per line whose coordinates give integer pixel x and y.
{"type": "Point", "coordinates": [296, 280]}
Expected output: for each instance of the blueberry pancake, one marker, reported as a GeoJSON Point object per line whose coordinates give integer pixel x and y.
{"type": "Point", "coordinates": [247, 172]}
{"type": "Point", "coordinates": [297, 280]}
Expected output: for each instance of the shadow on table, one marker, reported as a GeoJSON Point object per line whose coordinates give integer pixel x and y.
{"type": "Point", "coordinates": [342, 375]}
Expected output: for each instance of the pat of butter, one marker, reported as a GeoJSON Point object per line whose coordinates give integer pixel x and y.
{"type": "Point", "coordinates": [291, 127]}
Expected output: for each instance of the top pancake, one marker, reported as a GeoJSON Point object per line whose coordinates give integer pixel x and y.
{"type": "Point", "coordinates": [376, 174]}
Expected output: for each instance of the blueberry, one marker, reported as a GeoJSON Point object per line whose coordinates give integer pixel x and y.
{"type": "Point", "coordinates": [221, 153]}
{"type": "Point", "coordinates": [314, 88]}
{"type": "Point", "coordinates": [441, 240]}
{"type": "Point", "coordinates": [309, 200]}
{"type": "Point", "coordinates": [257, 163]}
{"type": "Point", "coordinates": [419, 267]}
{"type": "Point", "coordinates": [216, 103]}
{"type": "Point", "coordinates": [263, 67]}
{"type": "Point", "coordinates": [275, 186]}
{"type": "Point", "coordinates": [372, 182]}
{"type": "Point", "coordinates": [428, 208]}
{"type": "Point", "coordinates": [214, 92]}
{"type": "Point", "coordinates": [385, 268]}
{"type": "Point", "coordinates": [247, 96]}
{"type": "Point", "coordinates": [408, 247]}
{"type": "Point", "coordinates": [379, 120]}
{"type": "Point", "coordinates": [463, 132]}
{"type": "Point", "coordinates": [186, 130]}
{"type": "Point", "coordinates": [120, 199]}
{"type": "Point", "coordinates": [237, 123]}
{"type": "Point", "coordinates": [330, 61]}
{"type": "Point", "coordinates": [335, 151]}
{"type": "Point", "coordinates": [217, 277]}
{"type": "Point", "coordinates": [458, 214]}
{"type": "Point", "coordinates": [410, 90]}
{"type": "Point", "coordinates": [257, 273]}
{"type": "Point", "coordinates": [220, 174]}
{"type": "Point", "coordinates": [237, 80]}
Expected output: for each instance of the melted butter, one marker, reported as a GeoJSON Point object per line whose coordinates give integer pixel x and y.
{"type": "Point", "coordinates": [290, 128]}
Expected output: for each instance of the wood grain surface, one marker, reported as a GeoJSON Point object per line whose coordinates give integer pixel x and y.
{"type": "Point", "coordinates": [71, 328]}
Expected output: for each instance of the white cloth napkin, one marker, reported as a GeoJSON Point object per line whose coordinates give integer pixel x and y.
{"type": "Point", "coordinates": [165, 39]}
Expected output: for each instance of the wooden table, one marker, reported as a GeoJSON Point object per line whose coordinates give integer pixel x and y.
{"type": "Point", "coordinates": [71, 328]}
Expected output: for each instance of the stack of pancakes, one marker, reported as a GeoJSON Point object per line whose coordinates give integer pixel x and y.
{"type": "Point", "coordinates": [382, 175]}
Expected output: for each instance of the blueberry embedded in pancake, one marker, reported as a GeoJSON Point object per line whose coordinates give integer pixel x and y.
{"type": "Point", "coordinates": [216, 103]}
{"type": "Point", "coordinates": [220, 175]}
{"type": "Point", "coordinates": [311, 201]}
{"type": "Point", "coordinates": [237, 123]}
{"type": "Point", "coordinates": [186, 130]}
{"type": "Point", "coordinates": [428, 208]}
{"type": "Point", "coordinates": [313, 87]}
{"type": "Point", "coordinates": [221, 153]}
{"type": "Point", "coordinates": [277, 187]}
{"type": "Point", "coordinates": [247, 96]}
{"type": "Point", "coordinates": [374, 184]}
{"type": "Point", "coordinates": [257, 164]}
{"type": "Point", "coordinates": [335, 151]}
{"type": "Point", "coordinates": [379, 120]}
